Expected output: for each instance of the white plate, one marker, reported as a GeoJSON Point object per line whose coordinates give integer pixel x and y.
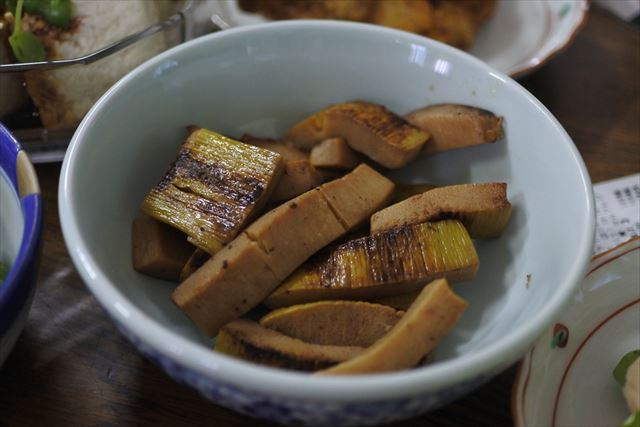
{"type": "Point", "coordinates": [566, 378]}
{"type": "Point", "coordinates": [520, 37]}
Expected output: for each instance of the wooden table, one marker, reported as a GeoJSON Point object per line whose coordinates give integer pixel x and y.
{"type": "Point", "coordinates": [72, 367]}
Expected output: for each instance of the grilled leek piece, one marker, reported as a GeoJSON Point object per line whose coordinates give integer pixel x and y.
{"type": "Point", "coordinates": [483, 208]}
{"type": "Point", "coordinates": [248, 340]}
{"type": "Point", "coordinates": [213, 188]}
{"type": "Point", "coordinates": [368, 128]}
{"type": "Point", "coordinates": [400, 260]}
{"type": "Point", "coordinates": [354, 323]}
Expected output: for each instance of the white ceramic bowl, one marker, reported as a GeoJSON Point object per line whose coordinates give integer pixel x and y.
{"type": "Point", "coordinates": [263, 79]}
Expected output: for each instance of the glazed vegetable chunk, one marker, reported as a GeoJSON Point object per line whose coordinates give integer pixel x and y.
{"type": "Point", "coordinates": [214, 187]}
{"type": "Point", "coordinates": [456, 126]}
{"type": "Point", "coordinates": [483, 208]}
{"type": "Point", "coordinates": [400, 260]}
{"type": "Point", "coordinates": [368, 128]}
{"type": "Point", "coordinates": [227, 286]}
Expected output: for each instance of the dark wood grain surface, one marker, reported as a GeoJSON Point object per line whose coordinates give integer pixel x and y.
{"type": "Point", "coordinates": [72, 367]}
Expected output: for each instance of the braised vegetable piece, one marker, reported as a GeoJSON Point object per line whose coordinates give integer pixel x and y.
{"type": "Point", "coordinates": [417, 333]}
{"type": "Point", "coordinates": [250, 267]}
{"type": "Point", "coordinates": [195, 261]}
{"type": "Point", "coordinates": [456, 126]}
{"type": "Point", "coordinates": [334, 322]}
{"type": "Point", "coordinates": [400, 260]}
{"type": "Point", "coordinates": [248, 340]}
{"type": "Point", "coordinates": [214, 187]}
{"type": "Point", "coordinates": [368, 128]}
{"type": "Point", "coordinates": [482, 208]}
{"type": "Point", "coordinates": [158, 249]}
{"type": "Point", "coordinates": [227, 286]}
{"type": "Point", "coordinates": [334, 153]}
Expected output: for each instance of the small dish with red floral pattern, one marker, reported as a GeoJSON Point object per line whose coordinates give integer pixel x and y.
{"type": "Point", "coordinates": [566, 378]}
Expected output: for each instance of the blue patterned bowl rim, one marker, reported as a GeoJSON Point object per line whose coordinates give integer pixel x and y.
{"type": "Point", "coordinates": [24, 181]}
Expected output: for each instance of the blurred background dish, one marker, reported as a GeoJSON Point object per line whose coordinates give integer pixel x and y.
{"type": "Point", "coordinates": [42, 108]}
{"type": "Point", "coordinates": [44, 104]}
{"type": "Point", "coordinates": [515, 37]}
{"type": "Point", "coordinates": [20, 229]}
{"type": "Point", "coordinates": [572, 362]}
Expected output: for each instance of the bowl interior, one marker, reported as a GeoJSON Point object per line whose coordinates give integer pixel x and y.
{"type": "Point", "coordinates": [262, 80]}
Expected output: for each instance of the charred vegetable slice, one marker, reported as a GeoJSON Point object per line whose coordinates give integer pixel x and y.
{"type": "Point", "coordinates": [482, 208]}
{"type": "Point", "coordinates": [368, 128]}
{"type": "Point", "coordinates": [248, 340]}
{"type": "Point", "coordinates": [397, 261]}
{"type": "Point", "coordinates": [213, 188]}
{"type": "Point", "coordinates": [354, 323]}
{"type": "Point", "coordinates": [427, 321]}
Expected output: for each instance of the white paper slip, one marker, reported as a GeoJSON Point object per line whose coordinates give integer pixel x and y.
{"type": "Point", "coordinates": [617, 211]}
